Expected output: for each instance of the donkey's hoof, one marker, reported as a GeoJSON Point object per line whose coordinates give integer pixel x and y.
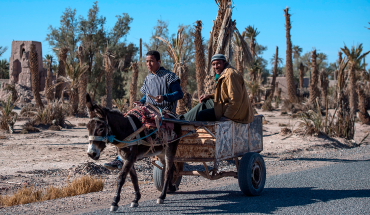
{"type": "Point", "coordinates": [113, 208]}
{"type": "Point", "coordinates": [160, 201]}
{"type": "Point", "coordinates": [134, 205]}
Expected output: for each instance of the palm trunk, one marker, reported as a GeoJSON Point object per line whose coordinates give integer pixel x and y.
{"type": "Point", "coordinates": [352, 89]}
{"type": "Point", "coordinates": [61, 71]}
{"type": "Point", "coordinates": [82, 86]}
{"type": "Point", "coordinates": [49, 93]}
{"type": "Point", "coordinates": [274, 74]}
{"type": "Point", "coordinates": [362, 114]}
{"type": "Point", "coordinates": [133, 87]}
{"type": "Point", "coordinates": [199, 58]}
{"type": "Point", "coordinates": [301, 78]}
{"type": "Point", "coordinates": [253, 47]}
{"type": "Point", "coordinates": [324, 82]}
{"type": "Point", "coordinates": [74, 99]}
{"type": "Point", "coordinates": [314, 91]}
{"type": "Point", "coordinates": [182, 71]}
{"type": "Point", "coordinates": [141, 48]}
{"type": "Point", "coordinates": [292, 91]}
{"type": "Point", "coordinates": [34, 67]}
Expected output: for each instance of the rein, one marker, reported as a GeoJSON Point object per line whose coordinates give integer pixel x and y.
{"type": "Point", "coordinates": [111, 138]}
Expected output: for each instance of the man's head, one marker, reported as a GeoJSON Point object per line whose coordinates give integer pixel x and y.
{"type": "Point", "coordinates": [153, 61]}
{"type": "Point", "coordinates": [218, 63]}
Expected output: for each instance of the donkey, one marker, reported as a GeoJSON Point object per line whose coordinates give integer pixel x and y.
{"type": "Point", "coordinates": [104, 122]}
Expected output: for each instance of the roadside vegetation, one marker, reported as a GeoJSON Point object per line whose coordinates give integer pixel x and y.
{"type": "Point", "coordinates": [28, 194]}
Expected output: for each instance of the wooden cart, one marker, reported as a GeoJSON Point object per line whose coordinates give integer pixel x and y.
{"type": "Point", "coordinates": [217, 141]}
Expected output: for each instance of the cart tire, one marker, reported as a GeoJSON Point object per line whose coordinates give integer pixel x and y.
{"type": "Point", "coordinates": [158, 177]}
{"type": "Point", "coordinates": [252, 174]}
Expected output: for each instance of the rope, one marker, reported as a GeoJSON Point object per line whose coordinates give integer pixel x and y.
{"type": "Point", "coordinates": [111, 138]}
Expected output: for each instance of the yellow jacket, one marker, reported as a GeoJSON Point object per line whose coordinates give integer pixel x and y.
{"type": "Point", "coordinates": [231, 97]}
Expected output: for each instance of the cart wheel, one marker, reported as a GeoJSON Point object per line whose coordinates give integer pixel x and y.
{"type": "Point", "coordinates": [158, 177]}
{"type": "Point", "coordinates": [252, 174]}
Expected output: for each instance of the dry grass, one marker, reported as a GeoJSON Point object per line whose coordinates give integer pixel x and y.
{"type": "Point", "coordinates": [82, 185]}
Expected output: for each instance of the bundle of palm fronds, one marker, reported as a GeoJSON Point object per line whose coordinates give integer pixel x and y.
{"type": "Point", "coordinates": [221, 38]}
{"type": "Point", "coordinates": [8, 117]}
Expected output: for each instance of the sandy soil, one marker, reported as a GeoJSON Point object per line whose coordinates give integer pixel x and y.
{"type": "Point", "coordinates": [49, 157]}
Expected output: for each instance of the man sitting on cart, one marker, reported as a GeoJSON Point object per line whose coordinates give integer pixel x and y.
{"type": "Point", "coordinates": [161, 88]}
{"type": "Point", "coordinates": [230, 100]}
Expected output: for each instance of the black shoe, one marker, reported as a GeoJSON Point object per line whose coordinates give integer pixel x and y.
{"type": "Point", "coordinates": [113, 165]}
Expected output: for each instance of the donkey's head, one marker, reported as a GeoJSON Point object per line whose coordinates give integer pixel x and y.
{"type": "Point", "coordinates": [98, 128]}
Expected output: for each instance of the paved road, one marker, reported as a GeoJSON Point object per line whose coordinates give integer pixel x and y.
{"type": "Point", "coordinates": [337, 189]}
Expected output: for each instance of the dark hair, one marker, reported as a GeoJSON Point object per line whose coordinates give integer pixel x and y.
{"type": "Point", "coordinates": [155, 54]}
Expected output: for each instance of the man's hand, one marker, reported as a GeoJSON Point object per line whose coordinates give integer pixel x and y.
{"type": "Point", "coordinates": [204, 97]}
{"type": "Point", "coordinates": [159, 99]}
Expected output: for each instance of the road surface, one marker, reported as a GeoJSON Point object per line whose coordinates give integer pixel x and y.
{"type": "Point", "coordinates": [342, 188]}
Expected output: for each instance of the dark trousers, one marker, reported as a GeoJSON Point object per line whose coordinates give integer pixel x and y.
{"type": "Point", "coordinates": [202, 112]}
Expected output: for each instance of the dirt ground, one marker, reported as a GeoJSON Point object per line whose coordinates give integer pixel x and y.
{"type": "Point", "coordinates": [49, 157]}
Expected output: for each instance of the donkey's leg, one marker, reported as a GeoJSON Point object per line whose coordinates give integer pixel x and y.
{"type": "Point", "coordinates": [135, 182]}
{"type": "Point", "coordinates": [169, 158]}
{"type": "Point", "coordinates": [127, 166]}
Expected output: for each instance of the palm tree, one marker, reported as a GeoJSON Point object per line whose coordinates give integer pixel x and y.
{"type": "Point", "coordinates": [46, 60]}
{"type": "Point", "coordinates": [321, 57]}
{"type": "Point", "coordinates": [296, 54]}
{"type": "Point", "coordinates": [179, 67]}
{"type": "Point", "coordinates": [363, 115]}
{"type": "Point", "coordinates": [62, 56]}
{"type": "Point", "coordinates": [301, 78]}
{"type": "Point", "coordinates": [324, 83]}
{"type": "Point", "coordinates": [292, 91]}
{"type": "Point", "coordinates": [238, 52]}
{"type": "Point", "coordinates": [252, 33]}
{"type": "Point", "coordinates": [254, 68]}
{"type": "Point", "coordinates": [49, 93]}
{"type": "Point", "coordinates": [200, 65]}
{"type": "Point", "coordinates": [4, 69]}
{"type": "Point", "coordinates": [74, 71]}
{"type": "Point", "coordinates": [314, 91]}
{"type": "Point", "coordinates": [276, 62]}
{"type": "Point", "coordinates": [82, 87]}
{"type": "Point", "coordinates": [354, 57]}
{"type": "Point", "coordinates": [34, 67]}
{"type": "Point", "coordinates": [3, 50]}
{"type": "Point", "coordinates": [109, 69]}
{"type": "Point", "coordinates": [133, 87]}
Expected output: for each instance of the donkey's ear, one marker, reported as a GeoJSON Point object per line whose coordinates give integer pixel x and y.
{"type": "Point", "coordinates": [100, 111]}
{"type": "Point", "coordinates": [89, 104]}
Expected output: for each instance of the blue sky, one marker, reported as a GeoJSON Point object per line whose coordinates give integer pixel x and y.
{"type": "Point", "coordinates": [324, 25]}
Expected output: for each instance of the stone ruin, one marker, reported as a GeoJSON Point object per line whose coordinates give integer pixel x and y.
{"type": "Point", "coordinates": [20, 72]}
{"type": "Point", "coordinates": [19, 68]}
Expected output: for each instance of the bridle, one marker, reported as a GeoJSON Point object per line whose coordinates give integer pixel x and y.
{"type": "Point", "coordinates": [109, 138]}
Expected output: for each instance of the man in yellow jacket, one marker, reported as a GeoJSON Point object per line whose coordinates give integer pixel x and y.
{"type": "Point", "coordinates": [230, 100]}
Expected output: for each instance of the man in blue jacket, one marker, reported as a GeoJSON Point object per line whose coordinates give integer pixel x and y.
{"type": "Point", "coordinates": [161, 88]}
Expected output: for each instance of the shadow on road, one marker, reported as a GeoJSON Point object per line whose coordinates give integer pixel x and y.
{"type": "Point", "coordinates": [324, 159]}
{"type": "Point", "coordinates": [271, 200]}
